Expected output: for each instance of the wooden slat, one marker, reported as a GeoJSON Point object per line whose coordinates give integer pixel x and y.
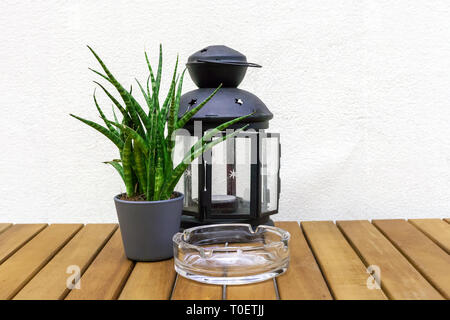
{"type": "Point", "coordinates": [344, 271]}
{"type": "Point", "coordinates": [25, 263]}
{"type": "Point", "coordinates": [186, 289]}
{"type": "Point", "coordinates": [4, 226]}
{"type": "Point", "coordinates": [257, 291]}
{"type": "Point", "coordinates": [303, 279]}
{"type": "Point", "coordinates": [399, 279]}
{"type": "Point", "coordinates": [436, 229]}
{"type": "Point", "coordinates": [150, 281]}
{"type": "Point", "coordinates": [422, 253]}
{"type": "Point", "coordinates": [105, 277]}
{"type": "Point", "coordinates": [80, 251]}
{"type": "Point", "coordinates": [15, 237]}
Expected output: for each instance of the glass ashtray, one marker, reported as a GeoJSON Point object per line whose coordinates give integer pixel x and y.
{"type": "Point", "coordinates": [231, 254]}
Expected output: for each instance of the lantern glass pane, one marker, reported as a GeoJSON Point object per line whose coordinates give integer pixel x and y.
{"type": "Point", "coordinates": [230, 176]}
{"type": "Point", "coordinates": [269, 173]}
{"type": "Point", "coordinates": [188, 184]}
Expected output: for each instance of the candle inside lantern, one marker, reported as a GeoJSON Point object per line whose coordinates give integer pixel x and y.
{"type": "Point", "coordinates": [224, 203]}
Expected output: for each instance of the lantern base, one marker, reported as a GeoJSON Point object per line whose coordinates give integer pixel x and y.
{"type": "Point", "coordinates": [189, 221]}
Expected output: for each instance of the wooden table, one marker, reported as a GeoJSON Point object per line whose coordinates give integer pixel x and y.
{"type": "Point", "coordinates": [328, 261]}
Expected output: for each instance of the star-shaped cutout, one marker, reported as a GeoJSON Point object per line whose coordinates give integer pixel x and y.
{"type": "Point", "coordinates": [232, 174]}
{"type": "Point", "coordinates": [187, 173]}
{"type": "Point", "coordinates": [239, 101]}
{"type": "Point", "coordinates": [192, 102]}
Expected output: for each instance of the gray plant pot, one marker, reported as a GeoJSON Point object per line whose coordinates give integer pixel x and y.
{"type": "Point", "coordinates": [147, 227]}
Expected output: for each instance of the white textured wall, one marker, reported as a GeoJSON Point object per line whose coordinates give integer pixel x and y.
{"type": "Point", "coordinates": [360, 91]}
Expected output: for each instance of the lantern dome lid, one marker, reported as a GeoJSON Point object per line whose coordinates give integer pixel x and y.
{"type": "Point", "coordinates": [227, 104]}
{"type": "Point", "coordinates": [218, 65]}
{"type": "Point", "coordinates": [220, 54]}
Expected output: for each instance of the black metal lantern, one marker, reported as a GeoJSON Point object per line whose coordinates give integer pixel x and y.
{"type": "Point", "coordinates": [237, 181]}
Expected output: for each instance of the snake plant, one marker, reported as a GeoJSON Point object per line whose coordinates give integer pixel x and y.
{"type": "Point", "coordinates": [145, 138]}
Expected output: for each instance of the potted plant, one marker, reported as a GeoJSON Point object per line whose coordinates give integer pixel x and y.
{"type": "Point", "coordinates": [149, 212]}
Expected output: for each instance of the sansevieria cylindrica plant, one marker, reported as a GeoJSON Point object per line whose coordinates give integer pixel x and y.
{"type": "Point", "coordinates": [145, 138]}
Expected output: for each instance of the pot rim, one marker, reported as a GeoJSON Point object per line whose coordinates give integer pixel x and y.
{"type": "Point", "coordinates": [180, 196]}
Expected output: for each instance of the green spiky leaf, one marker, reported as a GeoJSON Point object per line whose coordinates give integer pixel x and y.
{"type": "Point", "coordinates": [116, 165]}
{"type": "Point", "coordinates": [111, 136]}
{"type": "Point", "coordinates": [144, 139]}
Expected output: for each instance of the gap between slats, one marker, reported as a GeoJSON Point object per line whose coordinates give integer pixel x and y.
{"type": "Point", "coordinates": [93, 258]}
{"type": "Point", "coordinates": [337, 290]}
{"type": "Point", "coordinates": [43, 266]}
{"type": "Point", "coordinates": [59, 250]}
{"type": "Point", "coordinates": [19, 245]}
{"type": "Point", "coordinates": [433, 229]}
{"type": "Point", "coordinates": [45, 261]}
{"type": "Point", "coordinates": [391, 292]}
{"type": "Point", "coordinates": [174, 284]}
{"type": "Point", "coordinates": [124, 282]}
{"type": "Point", "coordinates": [304, 278]}
{"type": "Point", "coordinates": [5, 226]}
{"type": "Point", "coordinates": [410, 259]}
{"type": "Point", "coordinates": [105, 285]}
{"type": "Point", "coordinates": [317, 262]}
